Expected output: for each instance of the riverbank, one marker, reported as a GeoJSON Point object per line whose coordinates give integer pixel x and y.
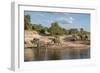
{"type": "Point", "coordinates": [46, 41]}
{"type": "Point", "coordinates": [65, 46]}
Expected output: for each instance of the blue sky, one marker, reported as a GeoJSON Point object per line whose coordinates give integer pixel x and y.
{"type": "Point", "coordinates": [65, 20]}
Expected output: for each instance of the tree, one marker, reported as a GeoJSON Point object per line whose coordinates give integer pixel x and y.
{"type": "Point", "coordinates": [82, 34]}
{"type": "Point", "coordinates": [37, 27]}
{"type": "Point", "coordinates": [81, 30]}
{"type": "Point", "coordinates": [44, 30]}
{"type": "Point", "coordinates": [55, 29]}
{"type": "Point", "coordinates": [73, 31]}
{"type": "Point", "coordinates": [27, 21]}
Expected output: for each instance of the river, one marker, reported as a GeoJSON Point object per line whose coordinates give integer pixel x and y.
{"type": "Point", "coordinates": [44, 54]}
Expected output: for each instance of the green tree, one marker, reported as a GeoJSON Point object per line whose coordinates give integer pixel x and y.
{"type": "Point", "coordinates": [82, 33]}
{"type": "Point", "coordinates": [44, 30]}
{"type": "Point", "coordinates": [73, 31]}
{"type": "Point", "coordinates": [37, 27]}
{"type": "Point", "coordinates": [55, 29]}
{"type": "Point", "coordinates": [81, 30]}
{"type": "Point", "coordinates": [27, 22]}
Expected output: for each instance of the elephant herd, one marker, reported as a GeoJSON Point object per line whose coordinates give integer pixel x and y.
{"type": "Point", "coordinates": [52, 41]}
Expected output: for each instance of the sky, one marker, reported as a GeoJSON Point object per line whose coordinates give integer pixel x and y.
{"type": "Point", "coordinates": [66, 20]}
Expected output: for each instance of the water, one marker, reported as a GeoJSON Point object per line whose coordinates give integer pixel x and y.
{"type": "Point", "coordinates": [58, 54]}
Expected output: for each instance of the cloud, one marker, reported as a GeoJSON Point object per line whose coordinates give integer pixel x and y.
{"type": "Point", "coordinates": [40, 15]}
{"type": "Point", "coordinates": [71, 18]}
{"type": "Point", "coordinates": [49, 17]}
{"type": "Point", "coordinates": [66, 20]}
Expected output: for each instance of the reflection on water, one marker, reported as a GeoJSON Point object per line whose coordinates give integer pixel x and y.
{"type": "Point", "coordinates": [58, 54]}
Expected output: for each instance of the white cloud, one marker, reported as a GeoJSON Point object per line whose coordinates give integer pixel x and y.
{"type": "Point", "coordinates": [40, 15]}
{"type": "Point", "coordinates": [71, 18]}
{"type": "Point", "coordinates": [66, 20]}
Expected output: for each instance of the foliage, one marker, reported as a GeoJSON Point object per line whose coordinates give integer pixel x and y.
{"type": "Point", "coordinates": [27, 21]}
{"type": "Point", "coordinates": [73, 31]}
{"type": "Point", "coordinates": [55, 29]}
{"type": "Point", "coordinates": [37, 27]}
